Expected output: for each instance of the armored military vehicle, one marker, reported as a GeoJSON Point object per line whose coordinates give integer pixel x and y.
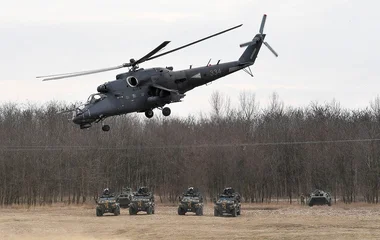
{"type": "Point", "coordinates": [227, 202]}
{"type": "Point", "coordinates": [125, 197]}
{"type": "Point", "coordinates": [107, 204]}
{"type": "Point", "coordinates": [319, 197]}
{"type": "Point", "coordinates": [142, 200]}
{"type": "Point", "coordinates": [191, 201]}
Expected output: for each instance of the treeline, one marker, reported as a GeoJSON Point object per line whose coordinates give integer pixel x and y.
{"type": "Point", "coordinates": [264, 153]}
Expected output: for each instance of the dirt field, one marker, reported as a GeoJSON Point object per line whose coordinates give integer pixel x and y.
{"type": "Point", "coordinates": [256, 222]}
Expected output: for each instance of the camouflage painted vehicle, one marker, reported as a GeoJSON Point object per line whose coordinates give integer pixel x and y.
{"type": "Point", "coordinates": [142, 201]}
{"type": "Point", "coordinates": [319, 197]}
{"type": "Point", "coordinates": [191, 201]}
{"type": "Point", "coordinates": [125, 197]}
{"type": "Point", "coordinates": [107, 204]}
{"type": "Point", "coordinates": [228, 202]}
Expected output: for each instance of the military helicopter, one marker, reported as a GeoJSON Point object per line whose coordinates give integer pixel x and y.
{"type": "Point", "coordinates": [142, 90]}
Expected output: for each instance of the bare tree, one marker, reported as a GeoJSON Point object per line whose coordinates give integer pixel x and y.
{"type": "Point", "coordinates": [265, 153]}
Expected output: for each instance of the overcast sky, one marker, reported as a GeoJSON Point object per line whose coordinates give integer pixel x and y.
{"type": "Point", "coordinates": [328, 49]}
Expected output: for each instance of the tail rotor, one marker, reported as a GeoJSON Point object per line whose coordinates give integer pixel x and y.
{"type": "Point", "coordinates": [260, 37]}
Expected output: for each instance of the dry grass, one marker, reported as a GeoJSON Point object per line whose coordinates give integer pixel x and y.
{"type": "Point", "coordinates": [258, 221]}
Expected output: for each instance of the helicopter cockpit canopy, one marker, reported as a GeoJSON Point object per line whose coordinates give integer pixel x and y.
{"type": "Point", "coordinates": [95, 97]}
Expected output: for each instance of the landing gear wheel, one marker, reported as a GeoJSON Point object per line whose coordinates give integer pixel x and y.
{"type": "Point", "coordinates": [106, 128]}
{"type": "Point", "coordinates": [149, 113]}
{"type": "Point", "coordinates": [166, 111]}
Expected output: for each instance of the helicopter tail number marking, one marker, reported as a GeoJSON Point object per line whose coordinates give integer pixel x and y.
{"type": "Point", "coordinates": [215, 72]}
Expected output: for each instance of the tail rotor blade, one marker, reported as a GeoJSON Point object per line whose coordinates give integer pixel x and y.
{"type": "Point", "coordinates": [247, 43]}
{"type": "Point", "coordinates": [271, 49]}
{"type": "Point", "coordinates": [263, 24]}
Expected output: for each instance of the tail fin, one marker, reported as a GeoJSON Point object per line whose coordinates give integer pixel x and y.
{"type": "Point", "coordinates": [251, 52]}
{"type": "Point", "coordinates": [253, 47]}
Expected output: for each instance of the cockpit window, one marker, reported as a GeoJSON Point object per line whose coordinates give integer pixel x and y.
{"type": "Point", "coordinates": [96, 97]}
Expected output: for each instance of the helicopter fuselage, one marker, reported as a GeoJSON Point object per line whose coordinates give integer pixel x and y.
{"type": "Point", "coordinates": [146, 89]}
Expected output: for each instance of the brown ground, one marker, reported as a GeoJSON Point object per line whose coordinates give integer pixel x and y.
{"type": "Point", "coordinates": [256, 222]}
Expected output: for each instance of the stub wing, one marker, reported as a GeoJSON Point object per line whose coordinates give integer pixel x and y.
{"type": "Point", "coordinates": [164, 88]}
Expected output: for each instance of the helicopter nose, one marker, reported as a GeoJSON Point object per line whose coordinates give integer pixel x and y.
{"type": "Point", "coordinates": [81, 118]}
{"type": "Point", "coordinates": [77, 119]}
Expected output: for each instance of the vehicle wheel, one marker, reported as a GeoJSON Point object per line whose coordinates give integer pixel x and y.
{"type": "Point", "coordinates": [132, 211]}
{"type": "Point", "coordinates": [216, 212]}
{"type": "Point", "coordinates": [153, 211]}
{"type": "Point", "coordinates": [181, 211]}
{"type": "Point", "coordinates": [238, 213]}
{"type": "Point", "coordinates": [106, 128]}
{"type": "Point", "coordinates": [149, 113]}
{"type": "Point", "coordinates": [116, 212]}
{"type": "Point", "coordinates": [99, 213]}
{"type": "Point", "coordinates": [198, 212]}
{"type": "Point", "coordinates": [166, 111]}
{"type": "Point", "coordinates": [234, 212]}
{"type": "Point", "coordinates": [329, 204]}
{"type": "Point", "coordinates": [201, 211]}
{"type": "Point", "coordinates": [149, 210]}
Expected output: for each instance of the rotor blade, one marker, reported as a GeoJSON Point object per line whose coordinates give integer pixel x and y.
{"type": "Point", "coordinates": [187, 45]}
{"type": "Point", "coordinates": [76, 74]}
{"type": "Point", "coordinates": [154, 51]}
{"type": "Point", "coordinates": [262, 24]}
{"type": "Point", "coordinates": [70, 73]}
{"type": "Point", "coordinates": [54, 75]}
{"type": "Point", "coordinates": [271, 49]}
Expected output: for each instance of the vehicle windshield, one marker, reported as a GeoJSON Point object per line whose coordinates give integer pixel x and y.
{"type": "Point", "coordinates": [107, 198]}
{"type": "Point", "coordinates": [96, 97]}
{"type": "Point", "coordinates": [226, 198]}
{"type": "Point", "coordinates": [186, 198]}
{"type": "Point", "coordinates": [141, 197]}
